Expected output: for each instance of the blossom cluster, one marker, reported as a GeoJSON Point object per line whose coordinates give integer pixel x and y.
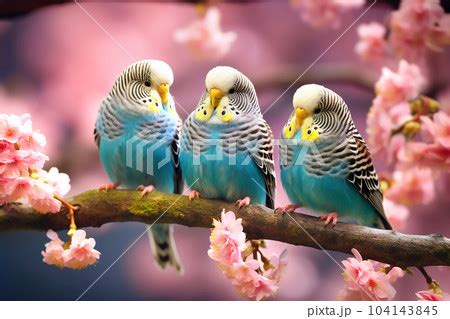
{"type": "Point", "coordinates": [416, 27]}
{"type": "Point", "coordinates": [204, 37]}
{"type": "Point", "coordinates": [321, 13]}
{"type": "Point", "coordinates": [368, 280]}
{"type": "Point", "coordinates": [412, 134]}
{"type": "Point", "coordinates": [254, 278]}
{"type": "Point", "coordinates": [77, 253]}
{"type": "Point", "coordinates": [22, 177]}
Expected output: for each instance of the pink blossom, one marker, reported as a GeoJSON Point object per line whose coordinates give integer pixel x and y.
{"type": "Point", "coordinates": [437, 129]}
{"type": "Point", "coordinates": [248, 282]}
{"type": "Point", "coordinates": [381, 120]}
{"type": "Point", "coordinates": [81, 252]}
{"type": "Point", "coordinates": [60, 182]}
{"type": "Point", "coordinates": [53, 254]}
{"type": "Point", "coordinates": [371, 45]}
{"type": "Point", "coordinates": [401, 86]}
{"type": "Point", "coordinates": [227, 239]}
{"type": "Point", "coordinates": [17, 188]}
{"type": "Point", "coordinates": [417, 25]}
{"type": "Point", "coordinates": [279, 264]}
{"type": "Point", "coordinates": [397, 214]}
{"type": "Point", "coordinates": [11, 127]}
{"type": "Point", "coordinates": [412, 186]}
{"type": "Point", "coordinates": [366, 281]}
{"type": "Point", "coordinates": [205, 38]}
{"type": "Point", "coordinates": [435, 151]}
{"type": "Point", "coordinates": [428, 295]}
{"type": "Point", "coordinates": [321, 13]}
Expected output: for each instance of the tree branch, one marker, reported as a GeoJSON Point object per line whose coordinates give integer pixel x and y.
{"type": "Point", "coordinates": [98, 208]}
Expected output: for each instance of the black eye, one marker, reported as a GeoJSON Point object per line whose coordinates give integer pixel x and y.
{"type": "Point", "coordinates": [317, 110]}
{"type": "Point", "coordinates": [147, 83]}
{"type": "Point", "coordinates": [232, 90]}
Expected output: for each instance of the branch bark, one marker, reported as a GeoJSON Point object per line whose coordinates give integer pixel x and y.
{"type": "Point", "coordinates": [98, 208]}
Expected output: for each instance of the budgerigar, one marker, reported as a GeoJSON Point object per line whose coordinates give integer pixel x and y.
{"type": "Point", "coordinates": [137, 132]}
{"type": "Point", "coordinates": [226, 149]}
{"type": "Point", "coordinates": [325, 164]}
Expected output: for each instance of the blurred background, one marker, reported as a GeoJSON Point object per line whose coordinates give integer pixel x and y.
{"type": "Point", "coordinates": [58, 63]}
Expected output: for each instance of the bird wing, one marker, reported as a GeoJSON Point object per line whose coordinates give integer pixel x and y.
{"type": "Point", "coordinates": [363, 176]}
{"type": "Point", "coordinates": [159, 130]}
{"type": "Point", "coordinates": [108, 124]}
{"type": "Point", "coordinates": [349, 158]}
{"type": "Point", "coordinates": [175, 147]}
{"type": "Point", "coordinates": [262, 155]}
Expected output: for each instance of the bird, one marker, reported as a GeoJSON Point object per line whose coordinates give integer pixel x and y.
{"type": "Point", "coordinates": [226, 147]}
{"type": "Point", "coordinates": [325, 164]}
{"type": "Point", "coordinates": [137, 133]}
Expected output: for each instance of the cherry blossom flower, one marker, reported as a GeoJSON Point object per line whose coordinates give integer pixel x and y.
{"type": "Point", "coordinates": [371, 45]}
{"type": "Point", "coordinates": [11, 127]}
{"type": "Point", "coordinates": [252, 277]}
{"type": "Point", "coordinates": [390, 109]}
{"type": "Point", "coordinates": [367, 280]}
{"type": "Point", "coordinates": [412, 186]}
{"type": "Point", "coordinates": [81, 252]}
{"type": "Point", "coordinates": [417, 25]}
{"type": "Point", "coordinates": [428, 295]}
{"type": "Point", "coordinates": [397, 214]}
{"type": "Point", "coordinates": [321, 13]}
{"type": "Point", "coordinates": [53, 254]}
{"type": "Point", "coordinates": [205, 38]}
{"type": "Point", "coordinates": [21, 162]}
{"type": "Point", "coordinates": [227, 239]}
{"type": "Point", "coordinates": [434, 152]}
{"type": "Point", "coordinates": [78, 253]}
{"type": "Point", "coordinates": [395, 87]}
{"type": "Point", "coordinates": [279, 264]}
{"type": "Point", "coordinates": [248, 282]}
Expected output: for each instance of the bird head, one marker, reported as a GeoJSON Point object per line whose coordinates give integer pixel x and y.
{"type": "Point", "coordinates": [144, 87]}
{"type": "Point", "coordinates": [317, 111]}
{"type": "Point", "coordinates": [229, 96]}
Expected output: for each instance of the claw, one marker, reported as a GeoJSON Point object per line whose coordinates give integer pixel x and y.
{"type": "Point", "coordinates": [145, 189]}
{"type": "Point", "coordinates": [194, 194]}
{"type": "Point", "coordinates": [106, 187]}
{"type": "Point", "coordinates": [243, 202]}
{"type": "Point", "coordinates": [329, 217]}
{"type": "Point", "coordinates": [286, 209]}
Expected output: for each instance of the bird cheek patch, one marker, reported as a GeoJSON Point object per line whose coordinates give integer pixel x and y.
{"type": "Point", "coordinates": [154, 103]}
{"type": "Point", "coordinates": [310, 133]}
{"type": "Point", "coordinates": [223, 114]}
{"type": "Point", "coordinates": [204, 112]}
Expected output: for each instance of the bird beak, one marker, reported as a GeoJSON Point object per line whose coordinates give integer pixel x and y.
{"type": "Point", "coordinates": [215, 95]}
{"type": "Point", "coordinates": [163, 90]}
{"type": "Point", "coordinates": [300, 115]}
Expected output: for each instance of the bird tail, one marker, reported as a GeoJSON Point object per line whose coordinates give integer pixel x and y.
{"type": "Point", "coordinates": [163, 247]}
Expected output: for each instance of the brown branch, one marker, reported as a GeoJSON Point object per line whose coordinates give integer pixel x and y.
{"type": "Point", "coordinates": [98, 208]}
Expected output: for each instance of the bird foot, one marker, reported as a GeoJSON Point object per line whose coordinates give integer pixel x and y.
{"type": "Point", "coordinates": [194, 194]}
{"type": "Point", "coordinates": [329, 217]}
{"type": "Point", "coordinates": [145, 189]}
{"type": "Point", "coordinates": [243, 202]}
{"type": "Point", "coordinates": [106, 187]}
{"type": "Point", "coordinates": [286, 209]}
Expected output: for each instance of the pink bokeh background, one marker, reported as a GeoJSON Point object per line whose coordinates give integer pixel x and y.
{"type": "Point", "coordinates": [57, 64]}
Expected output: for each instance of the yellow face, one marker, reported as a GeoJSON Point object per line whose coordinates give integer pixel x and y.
{"type": "Point", "coordinates": [215, 103]}
{"type": "Point", "coordinates": [301, 121]}
{"type": "Point", "coordinates": [154, 103]}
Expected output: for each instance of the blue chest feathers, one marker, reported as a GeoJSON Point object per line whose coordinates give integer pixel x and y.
{"type": "Point", "coordinates": [141, 155]}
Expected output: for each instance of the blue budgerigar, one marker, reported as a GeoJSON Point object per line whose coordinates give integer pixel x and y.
{"type": "Point", "coordinates": [325, 164]}
{"type": "Point", "coordinates": [226, 146]}
{"type": "Point", "coordinates": [137, 132]}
